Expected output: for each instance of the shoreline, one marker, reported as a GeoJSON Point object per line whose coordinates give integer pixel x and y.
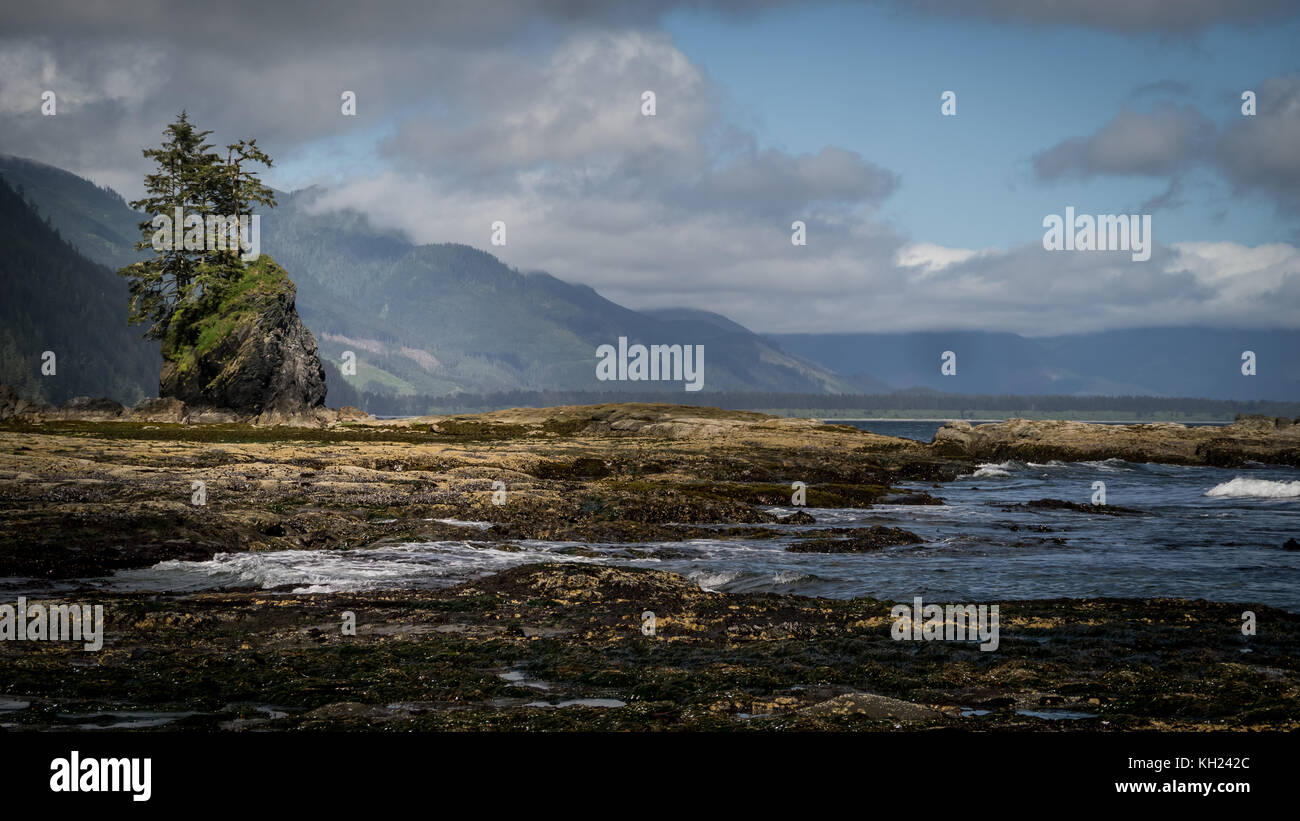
{"type": "Point", "coordinates": [83, 498]}
{"type": "Point", "coordinates": [562, 647]}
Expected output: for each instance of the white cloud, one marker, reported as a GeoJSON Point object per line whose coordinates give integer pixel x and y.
{"type": "Point", "coordinates": [682, 209]}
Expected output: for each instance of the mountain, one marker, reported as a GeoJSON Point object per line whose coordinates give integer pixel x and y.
{"type": "Point", "coordinates": [95, 220]}
{"type": "Point", "coordinates": [52, 298]}
{"type": "Point", "coordinates": [437, 319]}
{"type": "Point", "coordinates": [447, 318]}
{"type": "Point", "coordinates": [1200, 362]}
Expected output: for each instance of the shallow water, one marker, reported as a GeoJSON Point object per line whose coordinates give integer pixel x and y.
{"type": "Point", "coordinates": [1202, 533]}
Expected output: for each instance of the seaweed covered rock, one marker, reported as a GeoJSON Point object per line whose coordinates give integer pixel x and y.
{"type": "Point", "coordinates": [244, 349]}
{"type": "Point", "coordinates": [860, 540]}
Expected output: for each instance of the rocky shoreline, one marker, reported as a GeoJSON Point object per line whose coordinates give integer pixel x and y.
{"type": "Point", "coordinates": [561, 647]}
{"type": "Point", "coordinates": [1274, 440]}
{"type": "Point", "coordinates": [80, 497]}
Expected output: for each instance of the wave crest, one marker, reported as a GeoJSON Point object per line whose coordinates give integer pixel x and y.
{"type": "Point", "coordinates": [1241, 487]}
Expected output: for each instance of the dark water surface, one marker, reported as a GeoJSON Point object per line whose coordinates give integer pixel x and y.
{"type": "Point", "coordinates": [1200, 532]}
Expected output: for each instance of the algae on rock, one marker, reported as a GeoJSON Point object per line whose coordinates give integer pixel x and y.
{"type": "Point", "coordinates": [241, 346]}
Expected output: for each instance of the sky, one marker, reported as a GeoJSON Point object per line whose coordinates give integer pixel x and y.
{"type": "Point", "coordinates": [530, 113]}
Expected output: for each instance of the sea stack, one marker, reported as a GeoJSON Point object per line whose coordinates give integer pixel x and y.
{"type": "Point", "coordinates": [252, 356]}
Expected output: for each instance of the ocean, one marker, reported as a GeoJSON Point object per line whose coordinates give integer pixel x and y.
{"type": "Point", "coordinates": [1197, 532]}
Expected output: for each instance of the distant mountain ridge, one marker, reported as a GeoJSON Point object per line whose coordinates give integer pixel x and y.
{"type": "Point", "coordinates": [435, 319]}
{"type": "Point", "coordinates": [53, 299]}
{"type": "Point", "coordinates": [1186, 362]}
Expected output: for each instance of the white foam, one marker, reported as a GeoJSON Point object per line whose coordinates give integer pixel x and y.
{"type": "Point", "coordinates": [1241, 487]}
{"type": "Point", "coordinates": [1111, 464]}
{"type": "Point", "coordinates": [462, 523]}
{"type": "Point", "coordinates": [787, 576]}
{"type": "Point", "coordinates": [422, 564]}
{"type": "Point", "coordinates": [995, 470]}
{"type": "Point", "coordinates": [712, 581]}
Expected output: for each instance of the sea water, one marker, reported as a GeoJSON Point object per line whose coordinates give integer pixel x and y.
{"type": "Point", "coordinates": [1197, 532]}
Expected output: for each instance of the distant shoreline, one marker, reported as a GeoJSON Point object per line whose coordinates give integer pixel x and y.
{"type": "Point", "coordinates": [1005, 418]}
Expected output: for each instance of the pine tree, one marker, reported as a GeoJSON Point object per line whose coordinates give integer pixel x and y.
{"type": "Point", "coordinates": [178, 283]}
{"type": "Point", "coordinates": [159, 285]}
{"type": "Point", "coordinates": [239, 189]}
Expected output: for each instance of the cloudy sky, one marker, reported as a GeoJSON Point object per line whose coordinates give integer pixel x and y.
{"type": "Point", "coordinates": [766, 113]}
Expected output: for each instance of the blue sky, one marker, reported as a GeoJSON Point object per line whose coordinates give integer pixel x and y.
{"type": "Point", "coordinates": [869, 79]}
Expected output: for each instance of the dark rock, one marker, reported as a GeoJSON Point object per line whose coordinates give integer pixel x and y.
{"type": "Point", "coordinates": [1061, 504]}
{"type": "Point", "coordinates": [799, 517]}
{"type": "Point", "coordinates": [250, 355]}
{"type": "Point", "coordinates": [1291, 544]}
{"type": "Point", "coordinates": [862, 540]}
{"type": "Point", "coordinates": [85, 407]}
{"type": "Point", "coordinates": [910, 499]}
{"type": "Point", "coordinates": [582, 468]}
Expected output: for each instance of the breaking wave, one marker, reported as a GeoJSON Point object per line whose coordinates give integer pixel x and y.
{"type": "Point", "coordinates": [1241, 487]}
{"type": "Point", "coordinates": [996, 470]}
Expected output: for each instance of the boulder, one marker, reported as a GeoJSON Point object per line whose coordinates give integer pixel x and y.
{"type": "Point", "coordinates": [860, 540]}
{"type": "Point", "coordinates": [159, 409]}
{"type": "Point", "coordinates": [799, 517]}
{"type": "Point", "coordinates": [86, 408]}
{"type": "Point", "coordinates": [214, 416]}
{"type": "Point", "coordinates": [873, 706]}
{"type": "Point", "coordinates": [347, 413]}
{"type": "Point", "coordinates": [249, 354]}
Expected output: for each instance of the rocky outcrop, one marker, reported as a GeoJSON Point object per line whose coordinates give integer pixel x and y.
{"type": "Point", "coordinates": [1062, 504]}
{"type": "Point", "coordinates": [12, 405]}
{"type": "Point", "coordinates": [1250, 438]}
{"type": "Point", "coordinates": [101, 409]}
{"type": "Point", "coordinates": [347, 413]}
{"type": "Point", "coordinates": [859, 540]}
{"type": "Point", "coordinates": [250, 355]}
{"type": "Point", "coordinates": [241, 355]}
{"type": "Point", "coordinates": [158, 410]}
{"type": "Point", "coordinates": [81, 408]}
